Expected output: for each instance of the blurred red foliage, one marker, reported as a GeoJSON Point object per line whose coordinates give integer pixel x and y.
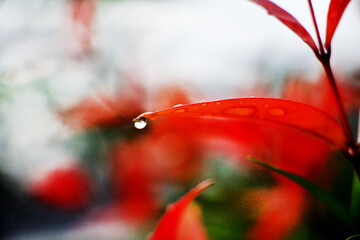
{"type": "Point", "coordinates": [279, 210]}
{"type": "Point", "coordinates": [320, 95]}
{"type": "Point", "coordinates": [82, 15]}
{"type": "Point", "coordinates": [64, 188]}
{"type": "Point", "coordinates": [103, 110]}
{"type": "Point", "coordinates": [134, 180]}
{"type": "Point", "coordinates": [172, 150]}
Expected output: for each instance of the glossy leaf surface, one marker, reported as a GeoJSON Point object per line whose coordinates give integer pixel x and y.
{"type": "Point", "coordinates": [337, 207]}
{"type": "Point", "coordinates": [287, 19]}
{"type": "Point", "coordinates": [336, 10]}
{"type": "Point", "coordinates": [168, 227]}
{"type": "Point", "coordinates": [276, 113]}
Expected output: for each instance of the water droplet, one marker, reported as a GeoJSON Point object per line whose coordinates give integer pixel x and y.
{"type": "Point", "coordinates": [277, 112]}
{"type": "Point", "coordinates": [178, 105]}
{"type": "Point", "coordinates": [218, 103]}
{"type": "Point", "coordinates": [140, 123]}
{"type": "Point", "coordinates": [240, 111]}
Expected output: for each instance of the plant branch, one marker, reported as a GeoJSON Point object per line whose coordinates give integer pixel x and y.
{"type": "Point", "coordinates": [324, 58]}
{"type": "Point", "coordinates": [321, 48]}
{"type": "Point", "coordinates": [352, 151]}
{"type": "Point", "coordinates": [339, 107]}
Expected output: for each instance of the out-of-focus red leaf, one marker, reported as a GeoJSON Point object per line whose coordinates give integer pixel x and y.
{"type": "Point", "coordinates": [134, 179]}
{"type": "Point", "coordinates": [82, 14]}
{"type": "Point", "coordinates": [320, 95]}
{"type": "Point", "coordinates": [170, 96]}
{"type": "Point", "coordinates": [287, 19]}
{"type": "Point", "coordinates": [336, 10]}
{"type": "Point", "coordinates": [68, 189]}
{"type": "Point", "coordinates": [275, 222]}
{"type": "Point", "coordinates": [169, 226]}
{"type": "Point", "coordinates": [102, 111]}
{"type": "Point", "coordinates": [275, 113]}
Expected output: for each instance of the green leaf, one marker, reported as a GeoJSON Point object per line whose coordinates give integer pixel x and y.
{"type": "Point", "coordinates": [355, 198]}
{"type": "Point", "coordinates": [357, 236]}
{"type": "Point", "coordinates": [335, 206]}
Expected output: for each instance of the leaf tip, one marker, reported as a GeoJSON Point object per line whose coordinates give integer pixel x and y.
{"type": "Point", "coordinates": [206, 184]}
{"type": "Point", "coordinates": [146, 115]}
{"type": "Point", "coordinates": [252, 158]}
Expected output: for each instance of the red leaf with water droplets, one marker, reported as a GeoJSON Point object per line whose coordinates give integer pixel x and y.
{"type": "Point", "coordinates": [276, 113]}
{"type": "Point", "coordinates": [287, 19]}
{"type": "Point", "coordinates": [336, 10]}
{"type": "Point", "coordinates": [169, 226]}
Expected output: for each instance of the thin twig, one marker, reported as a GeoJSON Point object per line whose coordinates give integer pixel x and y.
{"type": "Point", "coordinates": [322, 52]}
{"type": "Point", "coordinates": [324, 57]}
{"type": "Point", "coordinates": [340, 109]}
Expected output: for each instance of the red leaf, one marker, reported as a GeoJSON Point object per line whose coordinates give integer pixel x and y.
{"type": "Point", "coordinates": [336, 10]}
{"type": "Point", "coordinates": [277, 113]}
{"type": "Point", "coordinates": [82, 15]}
{"type": "Point", "coordinates": [68, 189]}
{"type": "Point", "coordinates": [192, 226]}
{"type": "Point", "coordinates": [273, 222]}
{"type": "Point", "coordinates": [287, 19]}
{"type": "Point", "coordinates": [134, 182]}
{"type": "Point", "coordinates": [102, 111]}
{"type": "Point", "coordinates": [168, 227]}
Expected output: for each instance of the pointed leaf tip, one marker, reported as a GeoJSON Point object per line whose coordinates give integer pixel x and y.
{"type": "Point", "coordinates": [287, 19]}
{"type": "Point", "coordinates": [336, 10]}
{"type": "Point", "coordinates": [168, 225]}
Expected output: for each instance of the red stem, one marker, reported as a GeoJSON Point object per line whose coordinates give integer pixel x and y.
{"type": "Point", "coordinates": [321, 48]}
{"type": "Point", "coordinates": [350, 141]}
{"type": "Point", "coordinates": [352, 153]}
